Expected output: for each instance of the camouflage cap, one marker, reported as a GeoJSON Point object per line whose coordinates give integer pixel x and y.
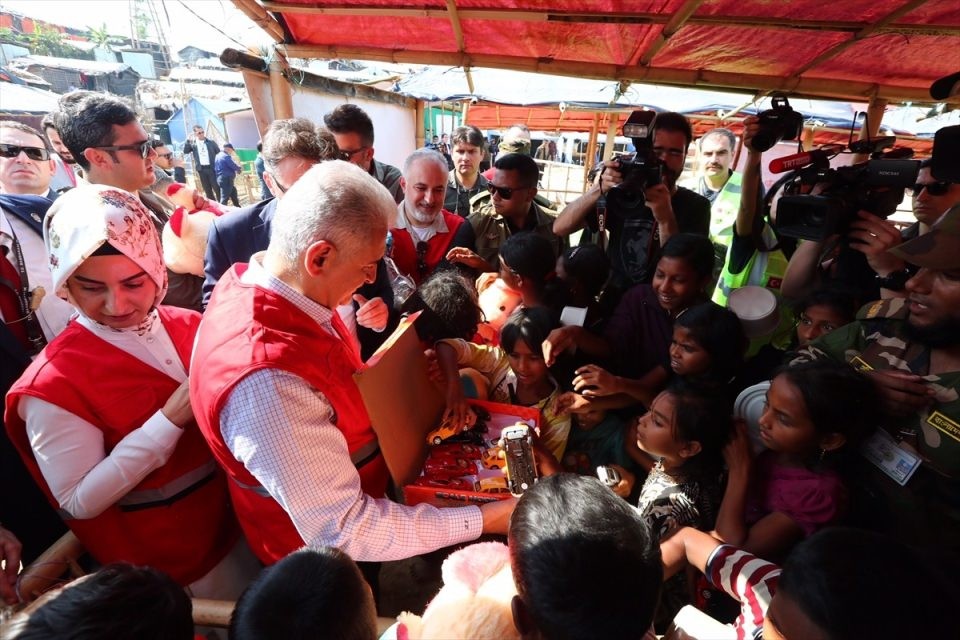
{"type": "Point", "coordinates": [515, 145]}
{"type": "Point", "coordinates": [939, 248]}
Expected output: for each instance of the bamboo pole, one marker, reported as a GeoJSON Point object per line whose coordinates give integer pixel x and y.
{"type": "Point", "coordinates": [611, 137]}
{"type": "Point", "coordinates": [674, 24]}
{"type": "Point", "coordinates": [280, 94]}
{"type": "Point", "coordinates": [49, 568]}
{"type": "Point", "coordinates": [871, 124]}
{"type": "Point", "coordinates": [697, 78]}
{"type": "Point", "coordinates": [212, 613]}
{"type": "Point", "coordinates": [421, 130]}
{"type": "Point", "coordinates": [260, 17]}
{"type": "Point", "coordinates": [591, 150]}
{"type": "Point", "coordinates": [858, 36]}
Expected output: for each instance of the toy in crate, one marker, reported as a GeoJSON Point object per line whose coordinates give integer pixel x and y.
{"type": "Point", "coordinates": [473, 465]}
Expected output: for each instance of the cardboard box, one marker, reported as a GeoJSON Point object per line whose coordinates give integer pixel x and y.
{"type": "Point", "coordinates": [404, 406]}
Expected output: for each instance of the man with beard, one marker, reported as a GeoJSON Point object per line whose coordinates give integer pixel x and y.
{"type": "Point", "coordinates": [424, 230]}
{"type": "Point", "coordinates": [638, 229]}
{"type": "Point", "coordinates": [911, 348]}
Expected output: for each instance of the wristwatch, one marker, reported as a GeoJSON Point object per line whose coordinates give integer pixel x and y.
{"type": "Point", "coordinates": [894, 281]}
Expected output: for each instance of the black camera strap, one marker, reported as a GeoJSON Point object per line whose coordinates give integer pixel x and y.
{"type": "Point", "coordinates": [601, 221]}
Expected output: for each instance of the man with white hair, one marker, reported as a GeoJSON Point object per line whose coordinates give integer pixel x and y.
{"type": "Point", "coordinates": [424, 231]}
{"type": "Point", "coordinates": [291, 431]}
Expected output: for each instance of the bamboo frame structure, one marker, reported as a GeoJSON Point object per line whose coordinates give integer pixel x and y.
{"type": "Point", "coordinates": [750, 22]}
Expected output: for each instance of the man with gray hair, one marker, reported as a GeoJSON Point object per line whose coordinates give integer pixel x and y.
{"type": "Point", "coordinates": [290, 148]}
{"type": "Point", "coordinates": [424, 231]}
{"type": "Point", "coordinates": [291, 431]}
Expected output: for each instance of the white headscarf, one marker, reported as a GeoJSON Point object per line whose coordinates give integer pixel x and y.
{"type": "Point", "coordinates": [83, 219]}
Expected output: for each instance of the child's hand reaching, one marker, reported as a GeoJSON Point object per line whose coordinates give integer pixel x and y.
{"type": "Point", "coordinates": [457, 411]}
{"type": "Point", "coordinates": [627, 481]}
{"type": "Point", "coordinates": [592, 380]}
{"type": "Point", "coordinates": [738, 452]}
{"type": "Point", "coordinates": [572, 402]}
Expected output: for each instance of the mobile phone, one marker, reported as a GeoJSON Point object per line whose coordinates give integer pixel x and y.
{"type": "Point", "coordinates": [608, 476]}
{"type": "Point", "coordinates": [521, 468]}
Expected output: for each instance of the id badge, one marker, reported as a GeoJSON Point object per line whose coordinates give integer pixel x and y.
{"type": "Point", "coordinates": [887, 455]}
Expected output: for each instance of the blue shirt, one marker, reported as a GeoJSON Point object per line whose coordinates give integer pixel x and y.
{"type": "Point", "coordinates": [225, 166]}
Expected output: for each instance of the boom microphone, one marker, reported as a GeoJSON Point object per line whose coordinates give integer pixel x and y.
{"type": "Point", "coordinates": [798, 160]}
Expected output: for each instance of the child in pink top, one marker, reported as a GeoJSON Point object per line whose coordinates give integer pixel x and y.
{"type": "Point", "coordinates": [814, 414]}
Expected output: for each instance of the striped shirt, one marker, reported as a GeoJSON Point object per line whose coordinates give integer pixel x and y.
{"type": "Point", "coordinates": [749, 580]}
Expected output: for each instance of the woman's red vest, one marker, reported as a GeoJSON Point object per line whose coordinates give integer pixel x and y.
{"type": "Point", "coordinates": [178, 519]}
{"type": "Point", "coordinates": [247, 328]}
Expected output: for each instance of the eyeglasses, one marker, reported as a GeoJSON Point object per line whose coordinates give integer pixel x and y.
{"type": "Point", "coordinates": [422, 257]}
{"type": "Point", "coordinates": [165, 156]}
{"type": "Point", "coordinates": [933, 188]}
{"type": "Point", "coordinates": [669, 151]}
{"type": "Point", "coordinates": [346, 154]}
{"type": "Point", "coordinates": [505, 192]}
{"type": "Point", "coordinates": [143, 148]}
{"type": "Point", "coordinates": [34, 153]}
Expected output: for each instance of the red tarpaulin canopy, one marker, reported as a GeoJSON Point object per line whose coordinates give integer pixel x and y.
{"type": "Point", "coordinates": [852, 50]}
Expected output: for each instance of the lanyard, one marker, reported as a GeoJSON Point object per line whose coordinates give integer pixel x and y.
{"type": "Point", "coordinates": [24, 296]}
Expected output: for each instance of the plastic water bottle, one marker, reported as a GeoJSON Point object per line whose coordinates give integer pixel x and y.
{"type": "Point", "coordinates": [403, 286]}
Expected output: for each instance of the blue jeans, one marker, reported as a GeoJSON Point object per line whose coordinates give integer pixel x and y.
{"type": "Point", "coordinates": [227, 190]}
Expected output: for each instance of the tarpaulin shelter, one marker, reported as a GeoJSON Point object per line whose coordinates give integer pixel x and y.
{"type": "Point", "coordinates": [851, 50]}
{"type": "Point", "coordinates": [873, 51]}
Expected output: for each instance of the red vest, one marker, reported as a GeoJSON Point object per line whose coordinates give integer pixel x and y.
{"type": "Point", "coordinates": [178, 519]}
{"type": "Point", "coordinates": [231, 345]}
{"type": "Point", "coordinates": [405, 252]}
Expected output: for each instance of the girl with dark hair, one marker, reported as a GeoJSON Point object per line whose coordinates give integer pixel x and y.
{"type": "Point", "coordinates": [822, 311]}
{"type": "Point", "coordinates": [708, 345]}
{"type": "Point", "coordinates": [636, 340]}
{"type": "Point", "coordinates": [685, 431]}
{"type": "Point", "coordinates": [815, 413]}
{"type": "Point", "coordinates": [516, 371]}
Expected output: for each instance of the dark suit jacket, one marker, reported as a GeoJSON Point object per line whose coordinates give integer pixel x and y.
{"type": "Point", "coordinates": [212, 151]}
{"type": "Point", "coordinates": [236, 236]}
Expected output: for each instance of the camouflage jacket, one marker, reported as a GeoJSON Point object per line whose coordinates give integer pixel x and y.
{"type": "Point", "coordinates": [875, 341]}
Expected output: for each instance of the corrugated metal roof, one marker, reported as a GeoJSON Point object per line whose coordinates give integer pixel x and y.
{"type": "Point", "coordinates": [18, 98]}
{"type": "Point", "coordinates": [89, 67]}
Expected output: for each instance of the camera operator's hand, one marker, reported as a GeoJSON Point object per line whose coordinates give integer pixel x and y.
{"type": "Point", "coordinates": [610, 176]}
{"type": "Point", "coordinates": [751, 126]}
{"type": "Point", "coordinates": [873, 237]}
{"type": "Point", "coordinates": [658, 199]}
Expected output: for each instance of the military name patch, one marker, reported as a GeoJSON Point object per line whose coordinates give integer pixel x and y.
{"type": "Point", "coordinates": [945, 425]}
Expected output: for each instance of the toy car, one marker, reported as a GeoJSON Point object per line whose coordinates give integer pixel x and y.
{"type": "Point", "coordinates": [447, 467]}
{"type": "Point", "coordinates": [491, 459]}
{"type": "Point", "coordinates": [459, 484]}
{"type": "Point", "coordinates": [457, 450]}
{"type": "Point", "coordinates": [493, 484]}
{"type": "Point", "coordinates": [448, 428]}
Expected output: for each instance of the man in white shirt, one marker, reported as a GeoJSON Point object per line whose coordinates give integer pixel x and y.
{"type": "Point", "coordinates": [292, 432]}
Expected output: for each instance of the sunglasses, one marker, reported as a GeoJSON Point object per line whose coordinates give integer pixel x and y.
{"type": "Point", "coordinates": [34, 153]}
{"type": "Point", "coordinates": [421, 257]}
{"type": "Point", "coordinates": [165, 156]}
{"type": "Point", "coordinates": [933, 188]}
{"type": "Point", "coordinates": [505, 192]}
{"type": "Point", "coordinates": [143, 148]}
{"type": "Point", "coordinates": [346, 154]}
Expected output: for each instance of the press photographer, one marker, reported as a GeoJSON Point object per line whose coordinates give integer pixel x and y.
{"type": "Point", "coordinates": [636, 199]}
{"type": "Point", "coordinates": [842, 214]}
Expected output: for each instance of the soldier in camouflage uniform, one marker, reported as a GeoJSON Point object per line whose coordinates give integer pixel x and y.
{"type": "Point", "coordinates": [509, 207]}
{"type": "Point", "coordinates": [911, 348]}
